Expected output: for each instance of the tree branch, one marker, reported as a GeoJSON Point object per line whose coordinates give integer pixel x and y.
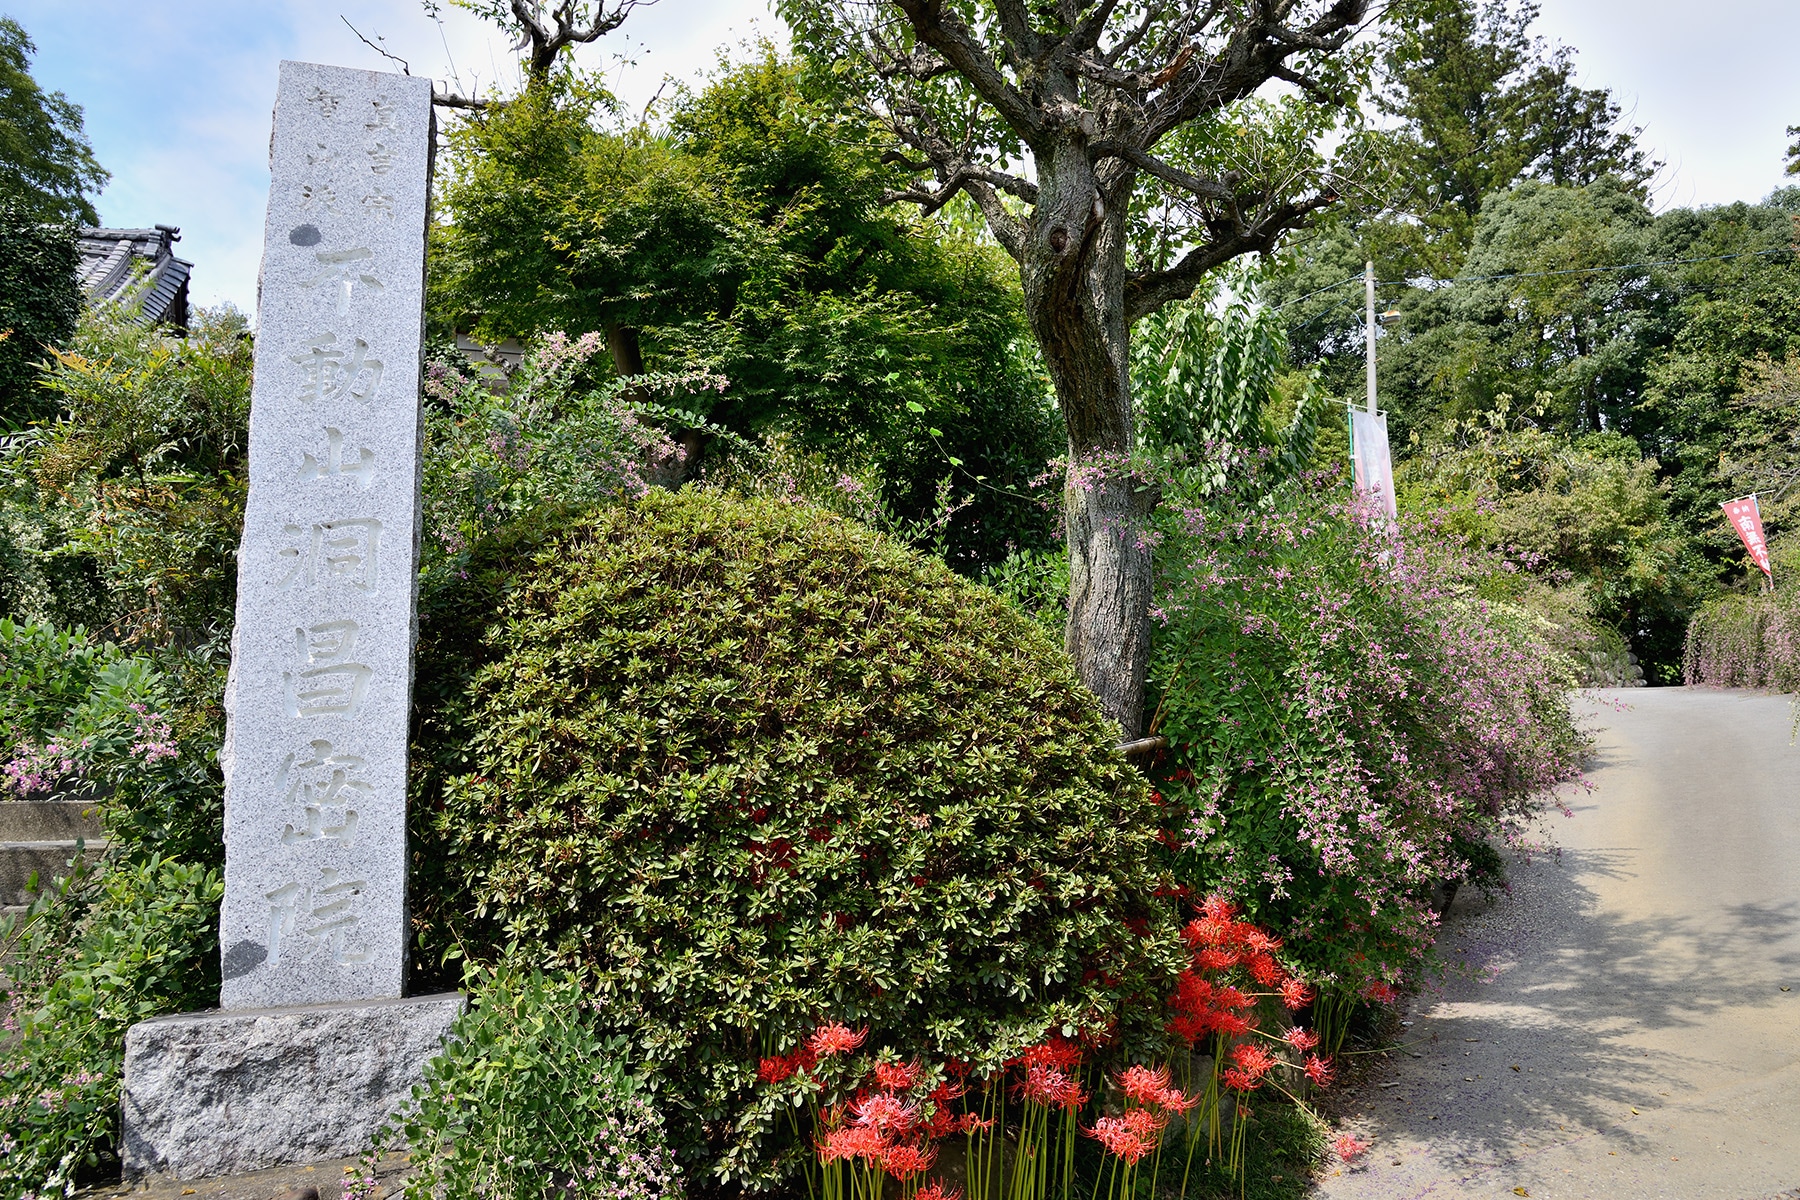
{"type": "Point", "coordinates": [1147, 291]}
{"type": "Point", "coordinates": [1211, 189]}
{"type": "Point", "coordinates": [943, 31]}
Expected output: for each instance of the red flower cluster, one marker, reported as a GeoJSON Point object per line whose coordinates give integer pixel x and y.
{"type": "Point", "coordinates": [1227, 956]}
{"type": "Point", "coordinates": [1152, 1089]}
{"type": "Point", "coordinates": [887, 1126]}
{"type": "Point", "coordinates": [1380, 991]}
{"type": "Point", "coordinates": [1130, 1135]}
{"type": "Point", "coordinates": [828, 1039]}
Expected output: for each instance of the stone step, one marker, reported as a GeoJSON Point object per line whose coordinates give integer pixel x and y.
{"type": "Point", "coordinates": [48, 860]}
{"type": "Point", "coordinates": [49, 820]}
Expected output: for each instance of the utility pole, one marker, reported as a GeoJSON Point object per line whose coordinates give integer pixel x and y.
{"type": "Point", "coordinates": [1369, 327]}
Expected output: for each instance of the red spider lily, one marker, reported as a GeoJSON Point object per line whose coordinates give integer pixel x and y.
{"type": "Point", "coordinates": [1140, 1083]}
{"type": "Point", "coordinates": [945, 1093]}
{"type": "Point", "coordinates": [1120, 1139]}
{"type": "Point", "coordinates": [1301, 1039]}
{"type": "Point", "coordinates": [1218, 908]}
{"type": "Point", "coordinates": [1253, 1058]}
{"type": "Point", "coordinates": [1143, 1122]}
{"type": "Point", "coordinates": [1189, 1029]}
{"type": "Point", "coordinates": [1319, 1071]}
{"type": "Point", "coordinates": [1192, 993]}
{"type": "Point", "coordinates": [855, 1141]}
{"type": "Point", "coordinates": [1295, 994]}
{"type": "Point", "coordinates": [937, 1189]}
{"type": "Point", "coordinates": [834, 1038]}
{"type": "Point", "coordinates": [1054, 1051]}
{"type": "Point", "coordinates": [943, 1123]}
{"type": "Point", "coordinates": [898, 1077]}
{"type": "Point", "coordinates": [907, 1159]}
{"type": "Point", "coordinates": [1380, 991]}
{"type": "Point", "coordinates": [773, 1070]}
{"type": "Point", "coordinates": [885, 1112]}
{"type": "Point", "coordinates": [1051, 1088]}
{"type": "Point", "coordinates": [1348, 1146]}
{"type": "Point", "coordinates": [1214, 959]}
{"type": "Point", "coordinates": [1231, 1024]}
{"type": "Point", "coordinates": [1265, 970]}
{"type": "Point", "coordinates": [1240, 1081]}
{"type": "Point", "coordinates": [1258, 941]}
{"type": "Point", "coordinates": [1176, 1101]}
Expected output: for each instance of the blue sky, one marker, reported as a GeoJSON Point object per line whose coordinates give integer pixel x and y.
{"type": "Point", "coordinates": [177, 93]}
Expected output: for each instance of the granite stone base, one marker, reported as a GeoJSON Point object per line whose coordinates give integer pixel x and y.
{"type": "Point", "coordinates": [218, 1093]}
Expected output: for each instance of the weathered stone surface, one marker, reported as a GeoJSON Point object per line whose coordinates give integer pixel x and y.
{"type": "Point", "coordinates": [50, 821]}
{"type": "Point", "coordinates": [220, 1093]}
{"type": "Point", "coordinates": [321, 672]}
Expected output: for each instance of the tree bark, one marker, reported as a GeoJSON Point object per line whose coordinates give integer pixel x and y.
{"type": "Point", "coordinates": [1072, 268]}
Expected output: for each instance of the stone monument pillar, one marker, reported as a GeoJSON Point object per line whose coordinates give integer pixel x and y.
{"type": "Point", "coordinates": [314, 1045]}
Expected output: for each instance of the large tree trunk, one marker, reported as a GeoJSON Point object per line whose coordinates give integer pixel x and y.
{"type": "Point", "coordinates": [1073, 272]}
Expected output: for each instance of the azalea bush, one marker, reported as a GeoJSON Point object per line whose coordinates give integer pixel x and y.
{"type": "Point", "coordinates": [748, 764]}
{"type": "Point", "coordinates": [1349, 721]}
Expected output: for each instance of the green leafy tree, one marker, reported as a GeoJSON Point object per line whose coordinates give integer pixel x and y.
{"type": "Point", "coordinates": [123, 514]}
{"type": "Point", "coordinates": [1588, 515]}
{"type": "Point", "coordinates": [1152, 162]}
{"type": "Point", "coordinates": [748, 240]}
{"type": "Point", "coordinates": [1208, 386]}
{"type": "Point", "coordinates": [1486, 104]}
{"type": "Point", "coordinates": [46, 165]}
{"type": "Point", "coordinates": [1554, 305]}
{"type": "Point", "coordinates": [39, 303]}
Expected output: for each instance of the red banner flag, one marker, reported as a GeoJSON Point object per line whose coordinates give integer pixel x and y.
{"type": "Point", "coordinates": [1746, 518]}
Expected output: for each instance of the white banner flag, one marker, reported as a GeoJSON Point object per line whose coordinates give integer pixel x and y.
{"type": "Point", "coordinates": [1369, 457]}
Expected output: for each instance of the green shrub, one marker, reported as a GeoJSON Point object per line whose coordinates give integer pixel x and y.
{"type": "Point", "coordinates": [749, 765]}
{"type": "Point", "coordinates": [39, 301]}
{"type": "Point", "coordinates": [108, 950]}
{"type": "Point", "coordinates": [529, 1099]}
{"type": "Point", "coordinates": [70, 707]}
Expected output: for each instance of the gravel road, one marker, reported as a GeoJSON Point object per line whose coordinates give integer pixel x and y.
{"type": "Point", "coordinates": [1627, 1022]}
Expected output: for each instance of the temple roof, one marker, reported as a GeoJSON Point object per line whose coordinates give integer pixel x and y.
{"type": "Point", "coordinates": [126, 264]}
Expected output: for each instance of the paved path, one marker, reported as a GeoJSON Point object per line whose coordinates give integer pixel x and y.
{"type": "Point", "coordinates": [1623, 1027]}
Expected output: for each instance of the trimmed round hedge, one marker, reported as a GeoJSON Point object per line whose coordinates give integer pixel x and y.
{"type": "Point", "coordinates": [750, 766]}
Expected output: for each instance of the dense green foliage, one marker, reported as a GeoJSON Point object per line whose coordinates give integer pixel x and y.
{"type": "Point", "coordinates": [1560, 303]}
{"type": "Point", "coordinates": [123, 513]}
{"type": "Point", "coordinates": [747, 240]}
{"type": "Point", "coordinates": [39, 301]}
{"type": "Point", "coordinates": [112, 947]}
{"type": "Point", "coordinates": [748, 764]}
{"type": "Point", "coordinates": [1207, 388]}
{"type": "Point", "coordinates": [1483, 104]}
{"type": "Point", "coordinates": [46, 165]}
{"type": "Point", "coordinates": [529, 1099]}
{"type": "Point", "coordinates": [1583, 522]}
